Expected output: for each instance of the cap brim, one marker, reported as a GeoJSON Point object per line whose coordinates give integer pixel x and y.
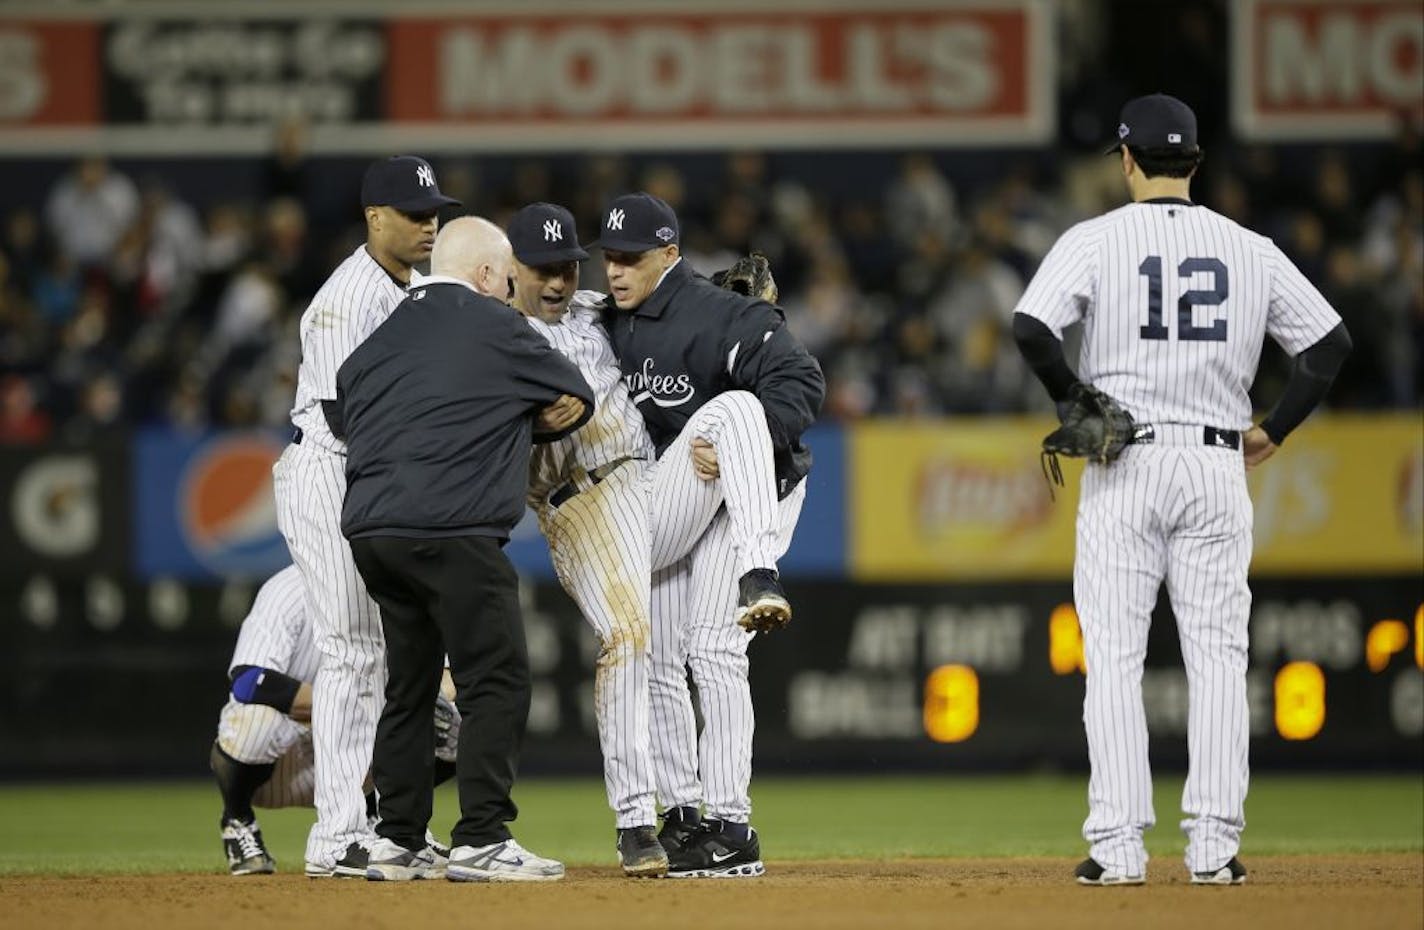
{"type": "Point", "coordinates": [613, 244]}
{"type": "Point", "coordinates": [427, 202]}
{"type": "Point", "coordinates": [551, 257]}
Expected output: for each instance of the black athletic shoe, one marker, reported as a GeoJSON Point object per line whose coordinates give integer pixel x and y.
{"type": "Point", "coordinates": [762, 604]}
{"type": "Point", "coordinates": [1233, 873]}
{"type": "Point", "coordinates": [640, 853]}
{"type": "Point", "coordinates": [1089, 872]}
{"type": "Point", "coordinates": [718, 852]}
{"type": "Point", "coordinates": [680, 824]}
{"type": "Point", "coordinates": [246, 853]}
{"type": "Point", "coordinates": [352, 864]}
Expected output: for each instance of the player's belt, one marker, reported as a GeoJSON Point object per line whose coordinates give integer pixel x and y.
{"type": "Point", "coordinates": [1146, 433]}
{"type": "Point", "coordinates": [297, 435]}
{"type": "Point", "coordinates": [560, 495]}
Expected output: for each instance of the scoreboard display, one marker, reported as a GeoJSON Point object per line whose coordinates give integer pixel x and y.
{"type": "Point", "coordinates": [931, 677]}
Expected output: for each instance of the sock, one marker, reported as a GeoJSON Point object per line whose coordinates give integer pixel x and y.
{"type": "Point", "coordinates": [238, 782]}
{"type": "Point", "coordinates": [444, 771]}
{"type": "Point", "coordinates": [730, 828]}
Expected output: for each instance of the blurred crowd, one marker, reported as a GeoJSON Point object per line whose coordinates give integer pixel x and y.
{"type": "Point", "coordinates": [122, 304]}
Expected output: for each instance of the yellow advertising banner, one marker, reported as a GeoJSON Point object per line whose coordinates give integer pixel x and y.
{"type": "Point", "coordinates": [966, 499]}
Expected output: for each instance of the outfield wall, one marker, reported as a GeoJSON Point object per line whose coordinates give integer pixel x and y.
{"type": "Point", "coordinates": [935, 626]}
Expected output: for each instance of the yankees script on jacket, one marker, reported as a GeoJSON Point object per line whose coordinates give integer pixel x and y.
{"type": "Point", "coordinates": [691, 340]}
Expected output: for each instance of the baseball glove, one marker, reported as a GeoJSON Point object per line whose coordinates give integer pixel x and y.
{"type": "Point", "coordinates": [750, 276]}
{"type": "Point", "coordinates": [447, 728]}
{"type": "Point", "coordinates": [1095, 427]}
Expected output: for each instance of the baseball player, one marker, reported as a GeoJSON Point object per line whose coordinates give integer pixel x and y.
{"type": "Point", "coordinates": [401, 199]}
{"type": "Point", "coordinates": [720, 381]}
{"type": "Point", "coordinates": [592, 492]}
{"type": "Point", "coordinates": [1175, 302]}
{"type": "Point", "coordinates": [263, 753]}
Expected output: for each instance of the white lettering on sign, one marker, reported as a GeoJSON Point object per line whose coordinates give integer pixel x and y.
{"type": "Point", "coordinates": [733, 68]}
{"type": "Point", "coordinates": [822, 705]}
{"type": "Point", "coordinates": [23, 85]}
{"type": "Point", "coordinates": [1345, 58]}
{"type": "Point", "coordinates": [1308, 631]}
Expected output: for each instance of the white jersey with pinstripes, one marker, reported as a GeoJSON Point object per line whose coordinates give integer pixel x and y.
{"type": "Point", "coordinates": [598, 540]}
{"type": "Point", "coordinates": [309, 481]}
{"type": "Point", "coordinates": [357, 298]}
{"type": "Point", "coordinates": [616, 429]}
{"type": "Point", "coordinates": [277, 635]}
{"type": "Point", "coordinates": [1175, 301]}
{"type": "Point", "coordinates": [277, 632]}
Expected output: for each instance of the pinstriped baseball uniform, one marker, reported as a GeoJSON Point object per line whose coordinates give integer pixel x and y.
{"type": "Point", "coordinates": [604, 544]}
{"type": "Point", "coordinates": [1175, 302]}
{"type": "Point", "coordinates": [277, 636]}
{"type": "Point", "coordinates": [310, 482]}
{"type": "Point", "coordinates": [598, 540]}
{"type": "Point", "coordinates": [700, 549]}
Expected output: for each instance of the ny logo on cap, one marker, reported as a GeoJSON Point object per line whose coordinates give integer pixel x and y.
{"type": "Point", "coordinates": [553, 231]}
{"type": "Point", "coordinates": [615, 219]}
{"type": "Point", "coordinates": [425, 176]}
{"type": "Point", "coordinates": [1122, 130]}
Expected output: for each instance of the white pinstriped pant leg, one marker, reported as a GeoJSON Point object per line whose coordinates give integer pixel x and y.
{"type": "Point", "coordinates": [349, 689]}
{"type": "Point", "coordinates": [1209, 555]}
{"type": "Point", "coordinates": [257, 734]}
{"type": "Point", "coordinates": [684, 505]}
{"type": "Point", "coordinates": [673, 730]}
{"type": "Point", "coordinates": [1118, 570]}
{"type": "Point", "coordinates": [717, 656]}
{"type": "Point", "coordinates": [599, 543]}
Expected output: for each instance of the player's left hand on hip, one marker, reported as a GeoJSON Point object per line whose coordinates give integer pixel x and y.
{"type": "Point", "coordinates": [1257, 447]}
{"type": "Point", "coordinates": [704, 460]}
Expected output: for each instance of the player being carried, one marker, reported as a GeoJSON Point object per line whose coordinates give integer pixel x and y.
{"type": "Point", "coordinates": [613, 516]}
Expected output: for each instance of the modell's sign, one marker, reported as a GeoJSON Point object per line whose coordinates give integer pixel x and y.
{"type": "Point", "coordinates": [171, 78]}
{"type": "Point", "coordinates": [1327, 69]}
{"type": "Point", "coordinates": [695, 74]}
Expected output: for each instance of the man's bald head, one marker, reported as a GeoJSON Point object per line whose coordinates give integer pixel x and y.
{"type": "Point", "coordinates": [473, 249]}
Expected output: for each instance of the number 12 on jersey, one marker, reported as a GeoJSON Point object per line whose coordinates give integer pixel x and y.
{"type": "Point", "coordinates": [1187, 330]}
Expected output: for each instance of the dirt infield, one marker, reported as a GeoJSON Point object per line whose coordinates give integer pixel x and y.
{"type": "Point", "coordinates": [1353, 891]}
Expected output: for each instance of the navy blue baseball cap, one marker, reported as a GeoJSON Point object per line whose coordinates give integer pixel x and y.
{"type": "Point", "coordinates": [638, 222]}
{"type": "Point", "coordinates": [405, 183]}
{"type": "Point", "coordinates": [1156, 121]}
{"type": "Point", "coordinates": [543, 234]}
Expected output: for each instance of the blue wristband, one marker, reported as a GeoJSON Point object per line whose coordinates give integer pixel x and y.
{"type": "Point", "coordinates": [245, 682]}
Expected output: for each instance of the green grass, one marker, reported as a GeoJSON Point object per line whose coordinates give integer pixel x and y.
{"type": "Point", "coordinates": [173, 826]}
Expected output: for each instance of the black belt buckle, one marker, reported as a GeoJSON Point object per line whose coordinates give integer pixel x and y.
{"type": "Point", "coordinates": [297, 435]}
{"type": "Point", "coordinates": [1224, 438]}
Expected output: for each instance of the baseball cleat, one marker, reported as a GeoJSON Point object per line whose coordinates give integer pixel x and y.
{"type": "Point", "coordinates": [506, 861]}
{"type": "Point", "coordinates": [1233, 873]}
{"type": "Point", "coordinates": [717, 851]}
{"type": "Point", "coordinates": [1089, 872]}
{"type": "Point", "coordinates": [391, 862]}
{"type": "Point", "coordinates": [246, 852]}
{"type": "Point", "coordinates": [352, 864]}
{"type": "Point", "coordinates": [680, 824]}
{"type": "Point", "coordinates": [762, 604]}
{"type": "Point", "coordinates": [640, 853]}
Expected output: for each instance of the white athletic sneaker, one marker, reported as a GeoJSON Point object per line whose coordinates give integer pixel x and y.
{"type": "Point", "coordinates": [391, 862]}
{"type": "Point", "coordinates": [501, 862]}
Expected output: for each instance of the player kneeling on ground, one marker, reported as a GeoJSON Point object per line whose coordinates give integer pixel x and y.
{"type": "Point", "coordinates": [263, 755]}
